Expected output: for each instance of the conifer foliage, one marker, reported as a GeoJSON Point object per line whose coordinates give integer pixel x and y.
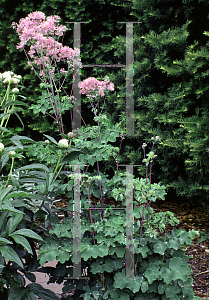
{"type": "Point", "coordinates": [171, 52]}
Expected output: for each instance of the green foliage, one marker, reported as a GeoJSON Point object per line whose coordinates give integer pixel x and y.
{"type": "Point", "coordinates": [28, 194]}
{"type": "Point", "coordinates": [155, 257]}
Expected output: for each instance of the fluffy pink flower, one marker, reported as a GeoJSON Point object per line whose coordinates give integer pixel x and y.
{"type": "Point", "coordinates": [39, 31]}
{"type": "Point", "coordinates": [91, 84]}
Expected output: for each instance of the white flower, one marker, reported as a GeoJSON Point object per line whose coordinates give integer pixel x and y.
{"type": "Point", "coordinates": [7, 77]}
{"type": "Point", "coordinates": [1, 147]}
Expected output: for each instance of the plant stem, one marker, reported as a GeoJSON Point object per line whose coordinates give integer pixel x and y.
{"type": "Point", "coordinates": [49, 156]}
{"type": "Point", "coordinates": [58, 162]}
{"type": "Point", "coordinates": [100, 188]}
{"type": "Point", "coordinates": [10, 173]}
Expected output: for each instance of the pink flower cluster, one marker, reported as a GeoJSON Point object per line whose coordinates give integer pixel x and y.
{"type": "Point", "coordinates": [44, 49]}
{"type": "Point", "coordinates": [91, 84]}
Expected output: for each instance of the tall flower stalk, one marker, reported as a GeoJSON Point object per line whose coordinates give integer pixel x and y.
{"type": "Point", "coordinates": [94, 88]}
{"type": "Point", "coordinates": [45, 53]}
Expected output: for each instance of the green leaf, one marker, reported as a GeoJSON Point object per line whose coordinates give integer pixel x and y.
{"type": "Point", "coordinates": [111, 138]}
{"type": "Point", "coordinates": [4, 241]}
{"type": "Point", "coordinates": [72, 155]}
{"type": "Point", "coordinates": [34, 166]}
{"type": "Point", "coordinates": [15, 182]}
{"type": "Point", "coordinates": [165, 273]}
{"type": "Point", "coordinates": [11, 209]}
{"type": "Point", "coordinates": [161, 288]}
{"type": "Point", "coordinates": [13, 222]}
{"type": "Point", "coordinates": [179, 270]}
{"type": "Point", "coordinates": [41, 292]}
{"type": "Point", "coordinates": [51, 139]}
{"type": "Point", "coordinates": [18, 278]}
{"type": "Point", "coordinates": [121, 282]}
{"type": "Point", "coordinates": [16, 293]}
{"type": "Point", "coordinates": [143, 250]}
{"type": "Point", "coordinates": [10, 254]}
{"type": "Point", "coordinates": [16, 114]}
{"type": "Point", "coordinates": [120, 251]}
{"type": "Point", "coordinates": [152, 272]}
{"type": "Point", "coordinates": [3, 217]}
{"type": "Point", "coordinates": [171, 292]}
{"type": "Point", "coordinates": [160, 247]}
{"type": "Point", "coordinates": [49, 178]}
{"type": "Point", "coordinates": [144, 286]}
{"type": "Point", "coordinates": [173, 243]}
{"type": "Point", "coordinates": [28, 233]}
{"type": "Point", "coordinates": [19, 194]}
{"type": "Point", "coordinates": [13, 103]}
{"type": "Point", "coordinates": [5, 129]}
{"type": "Point", "coordinates": [22, 241]}
{"type": "Point", "coordinates": [16, 141]}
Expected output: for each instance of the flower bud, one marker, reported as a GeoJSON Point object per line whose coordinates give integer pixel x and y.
{"type": "Point", "coordinates": [15, 80]}
{"type": "Point", "coordinates": [9, 185]}
{"type": "Point", "coordinates": [1, 147]}
{"type": "Point", "coordinates": [15, 91]}
{"type": "Point", "coordinates": [63, 144]}
{"type": "Point", "coordinates": [157, 138]}
{"type": "Point", "coordinates": [19, 77]}
{"type": "Point", "coordinates": [152, 138]}
{"type": "Point", "coordinates": [70, 135]}
{"type": "Point", "coordinates": [144, 145]}
{"type": "Point", "coordinates": [12, 154]}
{"type": "Point", "coordinates": [47, 142]}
